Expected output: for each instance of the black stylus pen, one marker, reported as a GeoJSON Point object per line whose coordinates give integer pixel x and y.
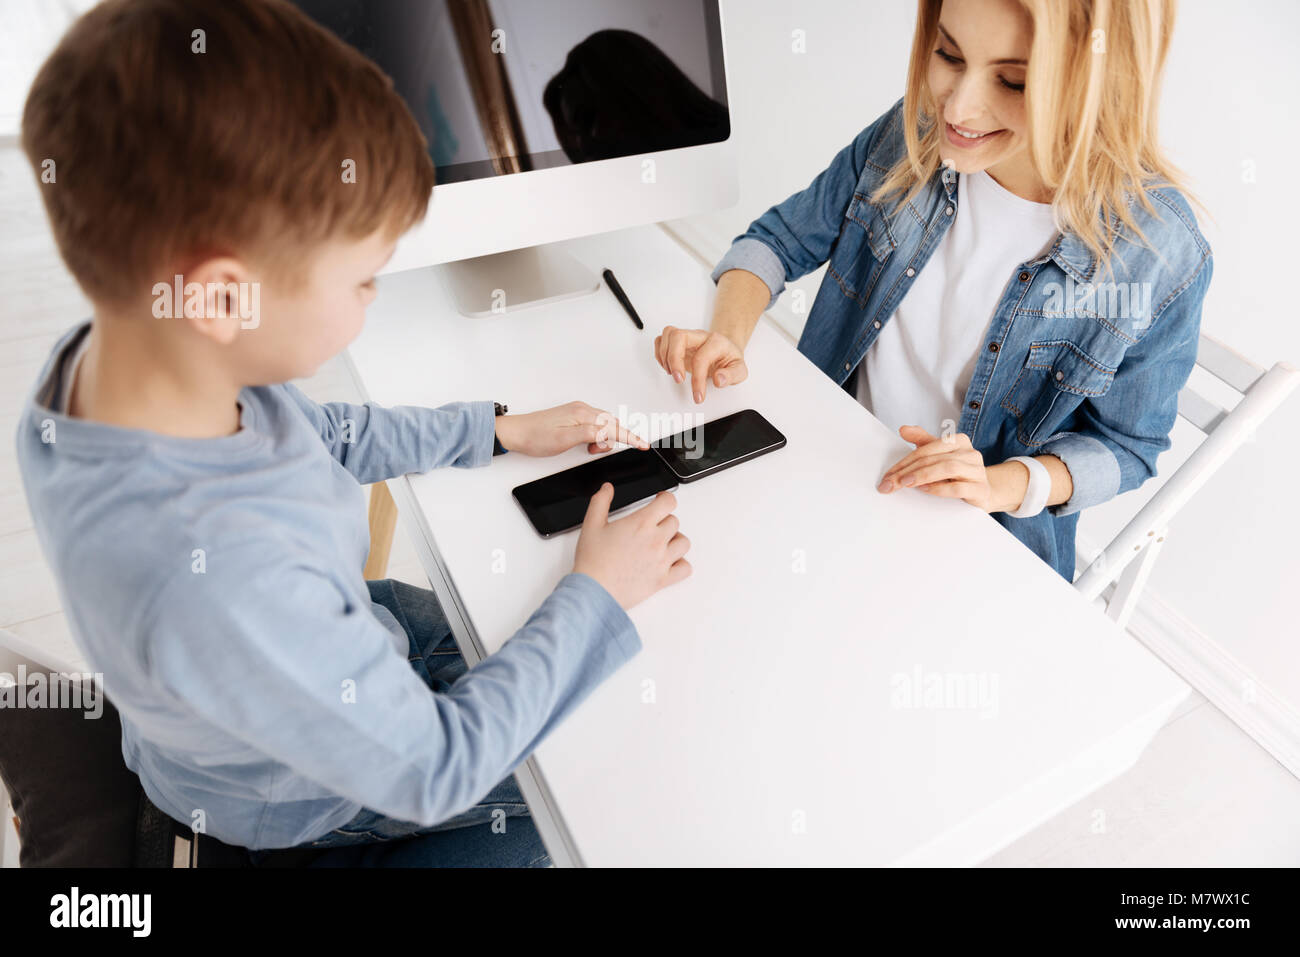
{"type": "Point", "coordinates": [621, 296]}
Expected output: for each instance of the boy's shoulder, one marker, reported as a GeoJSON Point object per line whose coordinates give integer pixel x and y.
{"type": "Point", "coordinates": [121, 526]}
{"type": "Point", "coordinates": [118, 511]}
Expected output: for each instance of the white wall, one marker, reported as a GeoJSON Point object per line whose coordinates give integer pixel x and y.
{"type": "Point", "coordinates": [1230, 563]}
{"type": "Point", "coordinates": [28, 31]}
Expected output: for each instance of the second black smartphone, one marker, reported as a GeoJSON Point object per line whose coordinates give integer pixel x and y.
{"type": "Point", "coordinates": [557, 503]}
{"type": "Point", "coordinates": [717, 445]}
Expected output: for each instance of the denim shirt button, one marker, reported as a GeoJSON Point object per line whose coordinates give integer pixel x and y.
{"type": "Point", "coordinates": [974, 403]}
{"type": "Point", "coordinates": [993, 347]}
{"type": "Point", "coordinates": [876, 324]}
{"type": "Point", "coordinates": [1060, 376]}
{"type": "Point", "coordinates": [847, 367]}
{"type": "Point", "coordinates": [1024, 277]}
{"type": "Point", "coordinates": [910, 272]}
{"type": "Point", "coordinates": [948, 211]}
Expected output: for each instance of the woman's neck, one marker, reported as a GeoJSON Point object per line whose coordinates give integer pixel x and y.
{"type": "Point", "coordinates": [1017, 176]}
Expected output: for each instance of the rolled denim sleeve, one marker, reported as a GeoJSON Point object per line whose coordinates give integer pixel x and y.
{"type": "Point", "coordinates": [754, 256]}
{"type": "Point", "coordinates": [1118, 436]}
{"type": "Point", "coordinates": [797, 235]}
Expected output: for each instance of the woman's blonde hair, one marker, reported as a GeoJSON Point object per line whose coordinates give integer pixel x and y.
{"type": "Point", "coordinates": [1092, 88]}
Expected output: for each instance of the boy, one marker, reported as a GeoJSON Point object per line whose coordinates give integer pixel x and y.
{"type": "Point", "coordinates": [205, 521]}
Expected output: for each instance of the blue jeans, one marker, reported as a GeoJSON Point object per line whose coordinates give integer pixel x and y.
{"type": "Point", "coordinates": [496, 832]}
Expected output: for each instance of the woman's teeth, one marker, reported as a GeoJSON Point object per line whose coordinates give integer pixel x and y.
{"type": "Point", "coordinates": [971, 136]}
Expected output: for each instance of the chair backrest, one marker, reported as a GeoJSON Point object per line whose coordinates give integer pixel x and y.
{"type": "Point", "coordinates": [1262, 391]}
{"type": "Point", "coordinates": [1229, 367]}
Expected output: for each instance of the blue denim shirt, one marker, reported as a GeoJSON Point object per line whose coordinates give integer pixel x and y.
{"type": "Point", "coordinates": [1076, 362]}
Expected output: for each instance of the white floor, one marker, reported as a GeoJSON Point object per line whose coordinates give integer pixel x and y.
{"type": "Point", "coordinates": [1202, 794]}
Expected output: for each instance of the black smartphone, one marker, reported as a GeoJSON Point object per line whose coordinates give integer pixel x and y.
{"type": "Point", "coordinates": [713, 446]}
{"type": "Point", "coordinates": [558, 503]}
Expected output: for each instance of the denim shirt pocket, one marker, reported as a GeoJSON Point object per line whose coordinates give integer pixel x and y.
{"type": "Point", "coordinates": [865, 243]}
{"type": "Point", "coordinates": [1057, 376]}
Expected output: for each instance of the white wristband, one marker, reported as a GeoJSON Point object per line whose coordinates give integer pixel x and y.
{"type": "Point", "coordinates": [1040, 487]}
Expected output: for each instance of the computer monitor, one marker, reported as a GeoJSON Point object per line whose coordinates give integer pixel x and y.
{"type": "Point", "coordinates": [548, 120]}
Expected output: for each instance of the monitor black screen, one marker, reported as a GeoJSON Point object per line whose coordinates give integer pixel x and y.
{"type": "Point", "coordinates": [506, 86]}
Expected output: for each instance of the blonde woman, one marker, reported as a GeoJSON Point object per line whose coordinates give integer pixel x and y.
{"type": "Point", "coordinates": [1014, 280]}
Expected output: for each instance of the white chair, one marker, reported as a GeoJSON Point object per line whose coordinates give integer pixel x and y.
{"type": "Point", "coordinates": [1128, 559]}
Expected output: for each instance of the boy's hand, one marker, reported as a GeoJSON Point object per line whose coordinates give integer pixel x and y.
{"type": "Point", "coordinates": [552, 431]}
{"type": "Point", "coordinates": [634, 556]}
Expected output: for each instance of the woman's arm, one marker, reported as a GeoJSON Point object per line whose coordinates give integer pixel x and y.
{"type": "Point", "coordinates": [1113, 445]}
{"type": "Point", "coordinates": [742, 297]}
{"type": "Point", "coordinates": [716, 355]}
{"type": "Point", "coordinates": [790, 240]}
{"type": "Point", "coordinates": [1114, 442]}
{"type": "Point", "coordinates": [1009, 481]}
{"type": "Point", "coordinates": [950, 467]}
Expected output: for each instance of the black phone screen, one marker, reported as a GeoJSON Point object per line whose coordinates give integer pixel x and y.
{"type": "Point", "coordinates": [714, 446]}
{"type": "Point", "coordinates": [559, 502]}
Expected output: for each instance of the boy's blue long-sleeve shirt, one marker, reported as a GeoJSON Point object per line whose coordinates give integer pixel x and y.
{"type": "Point", "coordinates": [217, 586]}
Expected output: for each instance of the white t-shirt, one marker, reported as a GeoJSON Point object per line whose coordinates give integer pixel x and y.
{"type": "Point", "coordinates": [918, 369]}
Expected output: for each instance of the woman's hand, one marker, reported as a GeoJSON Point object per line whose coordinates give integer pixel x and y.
{"type": "Point", "coordinates": [552, 431]}
{"type": "Point", "coordinates": [705, 356]}
{"type": "Point", "coordinates": [949, 467]}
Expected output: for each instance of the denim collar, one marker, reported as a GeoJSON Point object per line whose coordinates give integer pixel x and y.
{"type": "Point", "coordinates": [1073, 256]}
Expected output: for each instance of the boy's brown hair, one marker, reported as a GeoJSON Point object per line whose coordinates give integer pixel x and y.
{"type": "Point", "coordinates": [166, 145]}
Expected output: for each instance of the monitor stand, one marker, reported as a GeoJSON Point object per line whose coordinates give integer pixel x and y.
{"type": "Point", "coordinates": [505, 282]}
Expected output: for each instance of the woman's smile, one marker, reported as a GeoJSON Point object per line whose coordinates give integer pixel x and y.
{"type": "Point", "coordinates": [967, 138]}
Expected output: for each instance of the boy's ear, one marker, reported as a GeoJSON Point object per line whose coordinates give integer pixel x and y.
{"type": "Point", "coordinates": [217, 296]}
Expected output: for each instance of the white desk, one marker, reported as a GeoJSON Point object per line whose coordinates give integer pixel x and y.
{"type": "Point", "coordinates": [761, 723]}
